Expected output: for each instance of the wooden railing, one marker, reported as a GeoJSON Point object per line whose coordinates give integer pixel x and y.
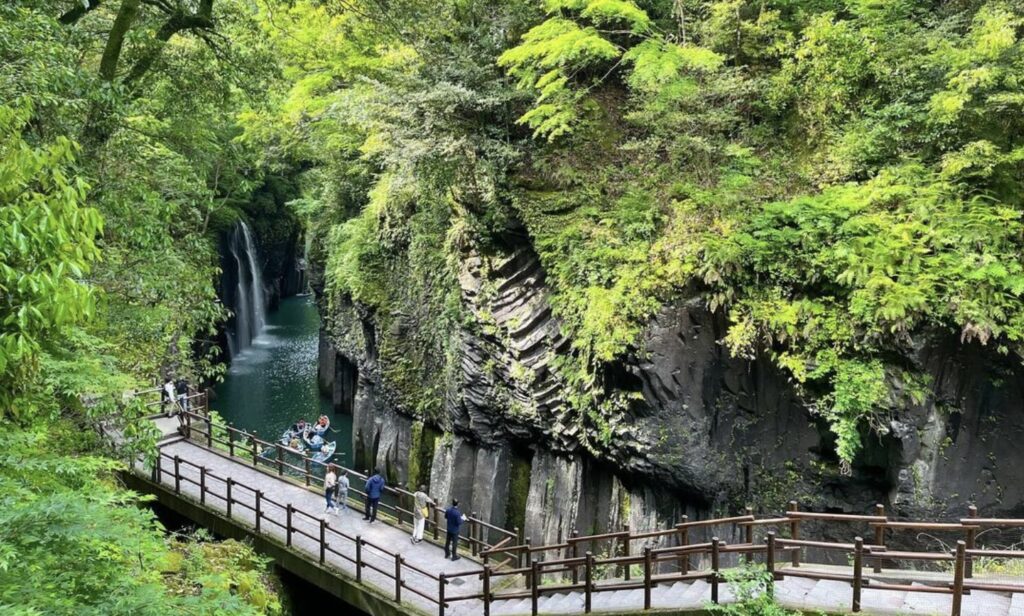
{"type": "Point", "coordinates": [327, 541]}
{"type": "Point", "coordinates": [510, 567]}
{"type": "Point", "coordinates": [246, 447]}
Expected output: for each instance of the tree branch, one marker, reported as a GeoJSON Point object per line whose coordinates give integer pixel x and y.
{"type": "Point", "coordinates": [176, 22]}
{"type": "Point", "coordinates": [126, 14]}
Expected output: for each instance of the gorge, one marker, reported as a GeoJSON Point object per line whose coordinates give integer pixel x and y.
{"type": "Point", "coordinates": [579, 264]}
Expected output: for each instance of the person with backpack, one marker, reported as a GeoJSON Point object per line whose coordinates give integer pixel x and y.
{"type": "Point", "coordinates": [341, 492]}
{"type": "Point", "coordinates": [374, 490]}
{"type": "Point", "coordinates": [182, 388]}
{"type": "Point", "coordinates": [420, 513]}
{"type": "Point", "coordinates": [454, 519]}
{"type": "Point", "coordinates": [330, 485]}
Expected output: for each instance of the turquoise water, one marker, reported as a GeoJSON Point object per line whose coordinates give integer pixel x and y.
{"type": "Point", "coordinates": [273, 383]}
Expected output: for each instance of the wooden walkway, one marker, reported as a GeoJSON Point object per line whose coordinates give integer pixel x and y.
{"type": "Point", "coordinates": [419, 578]}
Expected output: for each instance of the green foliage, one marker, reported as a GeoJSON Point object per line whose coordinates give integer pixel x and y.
{"type": "Point", "coordinates": [842, 179]}
{"type": "Point", "coordinates": [749, 584]}
{"type": "Point", "coordinates": [73, 542]}
{"type": "Point", "coordinates": [903, 252]}
{"type": "Point", "coordinates": [47, 249]}
{"type": "Point", "coordinates": [109, 181]}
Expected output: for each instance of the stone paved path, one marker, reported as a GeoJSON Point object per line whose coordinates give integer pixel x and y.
{"type": "Point", "coordinates": [792, 592]}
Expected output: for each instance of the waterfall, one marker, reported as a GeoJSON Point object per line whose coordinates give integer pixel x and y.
{"type": "Point", "coordinates": [249, 305]}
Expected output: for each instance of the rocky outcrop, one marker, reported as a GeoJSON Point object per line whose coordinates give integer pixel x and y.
{"type": "Point", "coordinates": [704, 433]}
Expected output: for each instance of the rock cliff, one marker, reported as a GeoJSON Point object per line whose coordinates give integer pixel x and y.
{"type": "Point", "coordinates": [702, 433]}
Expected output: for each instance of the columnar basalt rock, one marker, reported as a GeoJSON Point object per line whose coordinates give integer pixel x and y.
{"type": "Point", "coordinates": [703, 431]}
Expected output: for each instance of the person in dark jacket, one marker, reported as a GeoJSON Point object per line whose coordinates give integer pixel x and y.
{"type": "Point", "coordinates": [182, 388]}
{"type": "Point", "coordinates": [374, 489]}
{"type": "Point", "coordinates": [454, 518]}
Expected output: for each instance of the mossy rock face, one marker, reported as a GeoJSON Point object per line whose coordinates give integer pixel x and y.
{"type": "Point", "coordinates": [518, 491]}
{"type": "Point", "coordinates": [421, 454]}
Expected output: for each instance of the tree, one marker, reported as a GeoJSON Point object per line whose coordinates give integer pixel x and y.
{"type": "Point", "coordinates": [49, 246]}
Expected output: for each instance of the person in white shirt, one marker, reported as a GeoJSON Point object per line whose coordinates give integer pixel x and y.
{"type": "Point", "coordinates": [168, 396]}
{"type": "Point", "coordinates": [420, 513]}
{"type": "Point", "coordinates": [330, 481]}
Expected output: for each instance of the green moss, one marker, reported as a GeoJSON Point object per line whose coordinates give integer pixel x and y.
{"type": "Point", "coordinates": [625, 505]}
{"type": "Point", "coordinates": [518, 491]}
{"type": "Point", "coordinates": [421, 455]}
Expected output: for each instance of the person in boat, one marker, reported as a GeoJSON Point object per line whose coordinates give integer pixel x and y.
{"type": "Point", "coordinates": [316, 443]}
{"type": "Point", "coordinates": [322, 425]}
{"type": "Point", "coordinates": [299, 427]}
{"type": "Point", "coordinates": [295, 443]}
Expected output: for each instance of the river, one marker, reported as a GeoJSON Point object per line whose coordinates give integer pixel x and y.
{"type": "Point", "coordinates": [273, 382]}
{"type": "Point", "coordinates": [268, 386]}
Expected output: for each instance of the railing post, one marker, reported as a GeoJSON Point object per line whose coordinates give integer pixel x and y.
{"type": "Point", "coordinates": [769, 563]}
{"type": "Point", "coordinates": [177, 475]}
{"type": "Point", "coordinates": [259, 509]}
{"type": "Point", "coordinates": [972, 512]}
{"type": "Point", "coordinates": [714, 569]}
{"type": "Point", "coordinates": [202, 485]}
{"type": "Point", "coordinates": [858, 571]}
{"type": "Point", "coordinates": [288, 524]}
{"type": "Point", "coordinates": [188, 424]}
{"type": "Point", "coordinates": [879, 536]}
{"type": "Point", "coordinates": [159, 467]}
{"type": "Point", "coordinates": [487, 590]}
{"type": "Point", "coordinates": [398, 578]}
{"type": "Point", "coordinates": [748, 536]}
{"type": "Point", "coordinates": [625, 551]}
{"type": "Point", "coordinates": [588, 582]}
{"type": "Point", "coordinates": [524, 558]}
{"type": "Point", "coordinates": [437, 523]}
{"type": "Point", "coordinates": [209, 432]}
{"type": "Point", "coordinates": [305, 459]}
{"type": "Point", "coordinates": [323, 541]}
{"type": "Point", "coordinates": [441, 581]}
{"type": "Point", "coordinates": [794, 533]}
{"type": "Point", "coordinates": [359, 558]}
{"type": "Point", "coordinates": [534, 586]}
{"type": "Point", "coordinates": [575, 553]}
{"type": "Point", "coordinates": [231, 440]}
{"type": "Point", "coordinates": [684, 540]}
{"type": "Point", "coordinates": [473, 546]}
{"type": "Point", "coordinates": [958, 578]}
{"type": "Point", "coordinates": [255, 454]}
{"type": "Point", "coordinates": [280, 458]}
{"type": "Point", "coordinates": [647, 577]}
{"type": "Point", "coordinates": [229, 501]}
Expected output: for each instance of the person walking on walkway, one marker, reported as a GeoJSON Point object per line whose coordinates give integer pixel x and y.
{"type": "Point", "coordinates": [374, 489]}
{"type": "Point", "coordinates": [341, 492]}
{"type": "Point", "coordinates": [182, 388]}
{"type": "Point", "coordinates": [167, 397]}
{"type": "Point", "coordinates": [420, 513]}
{"type": "Point", "coordinates": [330, 484]}
{"type": "Point", "coordinates": [454, 518]}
